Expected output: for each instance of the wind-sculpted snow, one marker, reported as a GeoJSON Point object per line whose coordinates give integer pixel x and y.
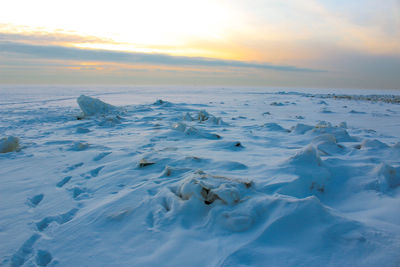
{"type": "Point", "coordinates": [202, 178]}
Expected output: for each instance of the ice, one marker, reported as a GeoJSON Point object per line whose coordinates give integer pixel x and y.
{"type": "Point", "coordinates": [203, 116]}
{"type": "Point", "coordinates": [193, 131]}
{"type": "Point", "coordinates": [210, 189]}
{"type": "Point", "coordinates": [9, 144]}
{"type": "Point", "coordinates": [169, 182]}
{"type": "Point", "coordinates": [92, 106]}
{"type": "Point", "coordinates": [388, 176]}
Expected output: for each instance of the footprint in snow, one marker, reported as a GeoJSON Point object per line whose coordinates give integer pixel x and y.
{"type": "Point", "coordinates": [63, 181]}
{"type": "Point", "coordinates": [35, 200]}
{"type": "Point", "coordinates": [79, 193]}
{"type": "Point", "coordinates": [22, 254]}
{"type": "Point", "coordinates": [43, 258]}
{"type": "Point", "coordinates": [101, 155]}
{"type": "Point", "coordinates": [92, 173]}
{"type": "Point", "coordinates": [73, 167]}
{"type": "Point", "coordinates": [59, 219]}
{"type": "Point", "coordinates": [95, 172]}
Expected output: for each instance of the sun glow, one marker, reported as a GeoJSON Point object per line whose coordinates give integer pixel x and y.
{"type": "Point", "coordinates": [133, 25]}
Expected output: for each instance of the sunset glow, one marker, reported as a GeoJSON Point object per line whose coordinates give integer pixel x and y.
{"type": "Point", "coordinates": [318, 35]}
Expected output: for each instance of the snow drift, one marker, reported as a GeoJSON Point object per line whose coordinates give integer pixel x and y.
{"type": "Point", "coordinates": [170, 183]}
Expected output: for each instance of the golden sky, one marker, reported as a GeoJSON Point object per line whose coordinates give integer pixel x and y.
{"type": "Point", "coordinates": [324, 39]}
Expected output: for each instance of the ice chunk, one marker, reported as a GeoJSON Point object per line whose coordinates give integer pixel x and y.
{"type": "Point", "coordinates": [209, 189]}
{"type": "Point", "coordinates": [9, 144]}
{"type": "Point", "coordinates": [143, 163]}
{"type": "Point", "coordinates": [301, 128]}
{"type": "Point", "coordinates": [92, 106]}
{"type": "Point", "coordinates": [159, 102]}
{"type": "Point", "coordinates": [162, 103]}
{"type": "Point", "coordinates": [343, 124]}
{"type": "Point", "coordinates": [188, 117]}
{"type": "Point", "coordinates": [79, 146]}
{"type": "Point", "coordinates": [192, 131]}
{"type": "Point", "coordinates": [203, 116]}
{"type": "Point", "coordinates": [388, 176]}
{"type": "Point", "coordinates": [323, 124]}
{"type": "Point", "coordinates": [277, 104]}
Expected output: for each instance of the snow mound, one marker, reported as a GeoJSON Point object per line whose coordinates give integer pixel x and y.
{"type": "Point", "coordinates": [193, 132]}
{"type": "Point", "coordinates": [277, 104]}
{"type": "Point", "coordinates": [312, 175]}
{"type": "Point", "coordinates": [210, 189]}
{"type": "Point", "coordinates": [343, 124]}
{"type": "Point", "coordinates": [79, 146]}
{"type": "Point", "coordinates": [92, 106]}
{"type": "Point", "coordinates": [162, 103]}
{"type": "Point", "coordinates": [203, 116]}
{"type": "Point", "coordinates": [200, 200]}
{"type": "Point", "coordinates": [301, 128]}
{"type": "Point", "coordinates": [293, 232]}
{"type": "Point", "coordinates": [388, 177]}
{"type": "Point", "coordinates": [326, 110]}
{"type": "Point", "coordinates": [9, 144]}
{"type": "Point", "coordinates": [326, 144]}
{"type": "Point", "coordinates": [272, 126]}
{"type": "Point", "coordinates": [373, 144]}
{"type": "Point", "coordinates": [339, 132]}
{"type": "Point", "coordinates": [307, 156]}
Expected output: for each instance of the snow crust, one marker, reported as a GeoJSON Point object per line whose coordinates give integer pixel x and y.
{"type": "Point", "coordinates": [205, 177]}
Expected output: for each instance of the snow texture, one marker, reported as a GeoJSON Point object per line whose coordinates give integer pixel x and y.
{"type": "Point", "coordinates": [199, 177]}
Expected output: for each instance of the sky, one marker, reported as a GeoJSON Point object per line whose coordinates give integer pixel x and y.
{"type": "Point", "coordinates": [287, 43]}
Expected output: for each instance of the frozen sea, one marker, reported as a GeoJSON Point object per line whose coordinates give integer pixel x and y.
{"type": "Point", "coordinates": [199, 176]}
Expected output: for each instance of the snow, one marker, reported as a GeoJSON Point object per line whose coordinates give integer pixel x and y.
{"type": "Point", "coordinates": [9, 144]}
{"type": "Point", "coordinates": [92, 106]}
{"type": "Point", "coordinates": [151, 176]}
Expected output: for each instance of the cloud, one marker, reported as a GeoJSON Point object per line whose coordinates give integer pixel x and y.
{"type": "Point", "coordinates": [69, 53]}
{"type": "Point", "coordinates": [49, 38]}
{"type": "Point", "coordinates": [37, 36]}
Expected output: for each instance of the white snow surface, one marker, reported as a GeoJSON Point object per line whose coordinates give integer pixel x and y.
{"type": "Point", "coordinates": [199, 177]}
